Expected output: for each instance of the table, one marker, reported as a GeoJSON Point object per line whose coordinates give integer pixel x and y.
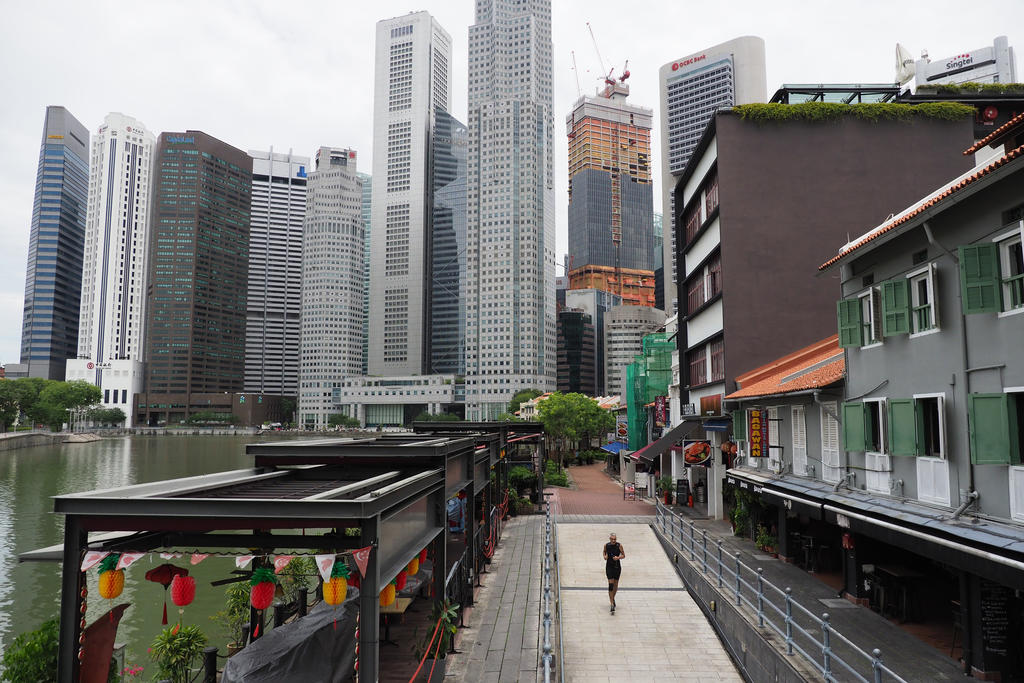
{"type": "Point", "coordinates": [399, 606]}
{"type": "Point", "coordinates": [903, 579]}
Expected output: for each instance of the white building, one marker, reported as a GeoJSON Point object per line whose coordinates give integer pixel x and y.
{"type": "Point", "coordinates": [274, 300]}
{"type": "Point", "coordinates": [394, 401]}
{"type": "Point", "coordinates": [332, 288]}
{"type": "Point", "coordinates": [510, 329]}
{"type": "Point", "coordinates": [691, 88]}
{"type": "Point", "coordinates": [624, 331]}
{"type": "Point", "coordinates": [110, 332]}
{"type": "Point", "coordinates": [412, 80]}
{"type": "Point", "coordinates": [993, 64]}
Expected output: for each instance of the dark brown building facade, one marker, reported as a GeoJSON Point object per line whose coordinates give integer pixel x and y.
{"type": "Point", "coordinates": [198, 269]}
{"type": "Point", "coordinates": [577, 371]}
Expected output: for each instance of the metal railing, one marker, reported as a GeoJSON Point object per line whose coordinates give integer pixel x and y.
{"type": "Point", "coordinates": [458, 586]}
{"type": "Point", "coordinates": [550, 612]}
{"type": "Point", "coordinates": [832, 654]}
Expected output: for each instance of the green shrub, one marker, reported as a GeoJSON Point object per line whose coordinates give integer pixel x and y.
{"type": "Point", "coordinates": [32, 657]}
{"type": "Point", "coordinates": [521, 479]}
{"type": "Point", "coordinates": [555, 475]}
{"type": "Point", "coordinates": [175, 651]}
{"type": "Point", "coordinates": [818, 112]}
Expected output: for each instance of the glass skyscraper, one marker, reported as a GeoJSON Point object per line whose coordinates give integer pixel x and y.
{"type": "Point", "coordinates": [53, 279]}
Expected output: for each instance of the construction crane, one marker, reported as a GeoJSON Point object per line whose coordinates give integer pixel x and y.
{"type": "Point", "coordinates": [625, 72]}
{"type": "Point", "coordinates": [576, 71]}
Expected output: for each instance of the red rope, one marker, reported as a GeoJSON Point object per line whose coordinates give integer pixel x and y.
{"type": "Point", "coordinates": [436, 650]}
{"type": "Point", "coordinates": [427, 651]}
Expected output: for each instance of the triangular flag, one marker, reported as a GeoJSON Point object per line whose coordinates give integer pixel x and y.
{"type": "Point", "coordinates": [325, 563]}
{"type": "Point", "coordinates": [242, 561]}
{"type": "Point", "coordinates": [92, 558]}
{"type": "Point", "coordinates": [281, 561]}
{"type": "Point", "coordinates": [362, 556]}
{"type": "Point", "coordinates": [127, 559]}
{"type": "Point", "coordinates": [198, 557]}
{"type": "Point", "coordinates": [170, 556]}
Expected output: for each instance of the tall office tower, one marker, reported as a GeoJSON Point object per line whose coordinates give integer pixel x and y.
{"type": "Point", "coordinates": [197, 275]}
{"type": "Point", "coordinates": [111, 329]}
{"type": "Point", "coordinates": [412, 82]}
{"type": "Point", "coordinates": [367, 181]}
{"type": "Point", "coordinates": [624, 330]}
{"type": "Point", "coordinates": [332, 284]}
{"type": "Point", "coordinates": [691, 89]}
{"type": "Point", "coordinates": [448, 247]}
{"type": "Point", "coordinates": [659, 263]}
{"type": "Point", "coordinates": [274, 300]}
{"type": "Point", "coordinates": [610, 193]}
{"type": "Point", "coordinates": [576, 353]}
{"type": "Point", "coordinates": [53, 278]}
{"type": "Point", "coordinates": [510, 326]}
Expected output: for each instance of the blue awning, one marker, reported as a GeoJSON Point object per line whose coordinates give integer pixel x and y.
{"type": "Point", "coordinates": [614, 446]}
{"type": "Point", "coordinates": [717, 425]}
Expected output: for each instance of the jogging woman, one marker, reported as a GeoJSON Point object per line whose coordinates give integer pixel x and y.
{"type": "Point", "coordinates": [613, 552]}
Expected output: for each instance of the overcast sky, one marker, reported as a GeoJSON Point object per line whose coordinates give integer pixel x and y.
{"type": "Point", "coordinates": [299, 74]}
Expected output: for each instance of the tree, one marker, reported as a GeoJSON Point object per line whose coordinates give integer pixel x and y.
{"type": "Point", "coordinates": [107, 416]}
{"type": "Point", "coordinates": [210, 417]}
{"type": "Point", "coordinates": [572, 417]}
{"type": "Point", "coordinates": [340, 420]}
{"type": "Point", "coordinates": [10, 403]}
{"type": "Point", "coordinates": [33, 655]}
{"type": "Point", "coordinates": [520, 397]}
{"type": "Point", "coordinates": [436, 417]}
{"type": "Point", "coordinates": [57, 398]}
{"type": "Point", "coordinates": [287, 409]}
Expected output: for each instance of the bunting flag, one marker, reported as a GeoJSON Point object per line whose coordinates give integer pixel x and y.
{"type": "Point", "coordinates": [127, 559]}
{"type": "Point", "coordinates": [362, 556]}
{"type": "Point", "coordinates": [281, 561]}
{"type": "Point", "coordinates": [242, 561]}
{"type": "Point", "coordinates": [198, 557]}
{"type": "Point", "coordinates": [92, 558]}
{"type": "Point", "coordinates": [170, 556]}
{"type": "Point", "coordinates": [325, 563]}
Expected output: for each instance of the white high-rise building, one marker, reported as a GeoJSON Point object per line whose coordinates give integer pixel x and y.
{"type": "Point", "coordinates": [110, 331]}
{"type": "Point", "coordinates": [332, 284]}
{"type": "Point", "coordinates": [510, 317]}
{"type": "Point", "coordinates": [691, 89]}
{"type": "Point", "coordinates": [274, 300]}
{"type": "Point", "coordinates": [412, 80]}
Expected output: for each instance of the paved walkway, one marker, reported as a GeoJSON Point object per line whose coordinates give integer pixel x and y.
{"type": "Point", "coordinates": [595, 494]}
{"type": "Point", "coordinates": [501, 642]}
{"type": "Point", "coordinates": [657, 632]}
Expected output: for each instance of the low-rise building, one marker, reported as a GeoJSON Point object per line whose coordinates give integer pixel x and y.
{"type": "Point", "coordinates": [396, 401]}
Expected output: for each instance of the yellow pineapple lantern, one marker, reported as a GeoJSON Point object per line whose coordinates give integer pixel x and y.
{"type": "Point", "coordinates": [111, 578]}
{"type": "Point", "coordinates": [336, 588]}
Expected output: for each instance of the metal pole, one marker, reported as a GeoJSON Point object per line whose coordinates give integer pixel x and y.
{"type": "Point", "coordinates": [693, 555]}
{"type": "Point", "coordinates": [210, 665]}
{"type": "Point", "coordinates": [719, 563]}
{"type": "Point", "coordinates": [760, 596]}
{"type": "Point", "coordinates": [72, 595]}
{"type": "Point", "coordinates": [739, 601]}
{"type": "Point", "coordinates": [826, 648]}
{"type": "Point", "coordinates": [789, 621]}
{"type": "Point", "coordinates": [876, 664]}
{"type": "Point", "coordinates": [704, 550]}
{"type": "Point", "coordinates": [303, 601]}
{"type": "Point", "coordinates": [369, 602]}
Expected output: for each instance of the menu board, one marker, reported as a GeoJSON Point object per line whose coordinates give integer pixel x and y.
{"type": "Point", "coordinates": [995, 618]}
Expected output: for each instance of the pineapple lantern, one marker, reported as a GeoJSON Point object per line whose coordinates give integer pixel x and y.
{"type": "Point", "coordinates": [111, 578]}
{"type": "Point", "coordinates": [387, 596]}
{"type": "Point", "coordinates": [336, 588]}
{"type": "Point", "coordinates": [413, 566]}
{"type": "Point", "coordinates": [263, 584]}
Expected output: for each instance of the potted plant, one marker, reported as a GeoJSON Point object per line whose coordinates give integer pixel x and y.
{"type": "Point", "coordinates": [175, 650]}
{"type": "Point", "coordinates": [665, 486]}
{"type": "Point", "coordinates": [448, 614]}
{"type": "Point", "coordinates": [235, 615]}
{"type": "Point", "coordinates": [765, 540]}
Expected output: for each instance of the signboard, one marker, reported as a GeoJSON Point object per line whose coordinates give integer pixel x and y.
{"type": "Point", "coordinates": [687, 409]}
{"type": "Point", "coordinates": [711, 406]}
{"type": "Point", "coordinates": [659, 411]}
{"type": "Point", "coordinates": [696, 452]}
{"type": "Point", "coordinates": [622, 427]}
{"type": "Point", "coordinates": [758, 426]}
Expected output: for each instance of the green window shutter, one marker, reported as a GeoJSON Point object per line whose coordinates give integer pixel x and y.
{"type": "Point", "coordinates": [903, 426]}
{"type": "Point", "coordinates": [991, 442]}
{"type": "Point", "coordinates": [895, 307]}
{"type": "Point", "coordinates": [739, 425]}
{"type": "Point", "coordinates": [851, 331]}
{"type": "Point", "coordinates": [854, 432]}
{"type": "Point", "coordinates": [979, 278]}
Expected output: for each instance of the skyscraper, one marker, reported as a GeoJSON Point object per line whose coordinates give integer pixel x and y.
{"type": "Point", "coordinates": [274, 300]}
{"type": "Point", "coordinates": [367, 181]}
{"type": "Point", "coordinates": [610, 191]}
{"type": "Point", "coordinates": [510, 326]}
{"type": "Point", "coordinates": [332, 284]}
{"type": "Point", "coordinates": [111, 329]}
{"type": "Point", "coordinates": [448, 247]}
{"type": "Point", "coordinates": [197, 274]}
{"type": "Point", "coordinates": [691, 89]}
{"type": "Point", "coordinates": [412, 82]}
{"type": "Point", "coordinates": [53, 278]}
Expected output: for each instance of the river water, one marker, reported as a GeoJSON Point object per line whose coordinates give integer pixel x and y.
{"type": "Point", "coordinates": [30, 592]}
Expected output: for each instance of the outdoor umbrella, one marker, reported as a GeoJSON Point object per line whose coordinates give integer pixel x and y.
{"type": "Point", "coordinates": [163, 575]}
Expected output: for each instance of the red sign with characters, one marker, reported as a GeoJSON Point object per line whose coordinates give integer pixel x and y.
{"type": "Point", "coordinates": [758, 434]}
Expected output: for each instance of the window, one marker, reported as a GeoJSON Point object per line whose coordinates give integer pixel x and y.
{"type": "Point", "coordinates": [992, 275]}
{"type": "Point", "coordinates": [799, 424]}
{"type": "Point", "coordinates": [831, 469]}
{"type": "Point", "coordinates": [895, 308]}
{"type": "Point", "coordinates": [774, 442]}
{"type": "Point", "coordinates": [1011, 267]}
{"type": "Point", "coordinates": [923, 311]}
{"type": "Point", "coordinates": [698, 366]}
{"type": "Point", "coordinates": [869, 315]}
{"type": "Point", "coordinates": [1017, 493]}
{"type": "Point", "coordinates": [717, 360]}
{"type": "Point", "coordinates": [996, 422]}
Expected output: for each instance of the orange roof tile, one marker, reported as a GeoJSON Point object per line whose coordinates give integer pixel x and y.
{"type": "Point", "coordinates": [1012, 123]}
{"type": "Point", "coordinates": [812, 367]}
{"type": "Point", "coordinates": [933, 199]}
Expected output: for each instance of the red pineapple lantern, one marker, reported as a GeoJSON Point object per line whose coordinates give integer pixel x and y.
{"type": "Point", "coordinates": [263, 583]}
{"type": "Point", "coordinates": [423, 556]}
{"type": "Point", "coordinates": [400, 580]}
{"type": "Point", "coordinates": [183, 590]}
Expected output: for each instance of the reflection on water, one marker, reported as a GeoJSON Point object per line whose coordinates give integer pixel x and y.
{"type": "Point", "coordinates": [30, 592]}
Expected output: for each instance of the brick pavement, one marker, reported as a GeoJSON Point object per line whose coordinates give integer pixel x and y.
{"type": "Point", "coordinates": [501, 641]}
{"type": "Point", "coordinates": [595, 493]}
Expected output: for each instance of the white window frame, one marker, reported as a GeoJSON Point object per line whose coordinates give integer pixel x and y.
{"type": "Point", "coordinates": [798, 422]}
{"type": "Point", "coordinates": [830, 457]}
{"type": "Point", "coordinates": [882, 426]}
{"type": "Point", "coordinates": [1016, 480]}
{"type": "Point", "coordinates": [775, 459]}
{"type": "Point", "coordinates": [1004, 241]}
{"type": "Point", "coordinates": [926, 274]}
{"type": "Point", "coordinates": [942, 421]}
{"type": "Point", "coordinates": [874, 324]}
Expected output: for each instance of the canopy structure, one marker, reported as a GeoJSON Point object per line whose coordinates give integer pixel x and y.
{"type": "Point", "coordinates": [298, 495]}
{"type": "Point", "coordinates": [614, 446]}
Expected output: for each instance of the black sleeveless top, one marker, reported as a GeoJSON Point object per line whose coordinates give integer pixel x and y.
{"type": "Point", "coordinates": [612, 549]}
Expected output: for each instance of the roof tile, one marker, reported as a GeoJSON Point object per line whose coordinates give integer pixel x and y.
{"type": "Point", "coordinates": [792, 373]}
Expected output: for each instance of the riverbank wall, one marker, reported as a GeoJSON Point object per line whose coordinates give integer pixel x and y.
{"type": "Point", "coordinates": [10, 442]}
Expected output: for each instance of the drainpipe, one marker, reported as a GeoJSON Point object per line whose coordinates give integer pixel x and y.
{"type": "Point", "coordinates": [972, 494]}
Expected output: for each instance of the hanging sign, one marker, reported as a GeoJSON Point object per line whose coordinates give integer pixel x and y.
{"type": "Point", "coordinates": [622, 427]}
{"type": "Point", "coordinates": [660, 411]}
{"type": "Point", "coordinates": [758, 433]}
{"type": "Point", "coordinates": [696, 452]}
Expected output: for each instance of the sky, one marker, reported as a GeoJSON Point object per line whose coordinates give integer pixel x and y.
{"type": "Point", "coordinates": [297, 75]}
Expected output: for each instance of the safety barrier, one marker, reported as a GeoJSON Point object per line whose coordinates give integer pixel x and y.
{"type": "Point", "coordinates": [551, 613]}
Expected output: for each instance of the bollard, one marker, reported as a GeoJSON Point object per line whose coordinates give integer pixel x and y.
{"type": "Point", "coordinates": [209, 665]}
{"type": "Point", "coordinates": [789, 620]}
{"type": "Point", "coordinates": [876, 664]}
{"type": "Point", "coordinates": [760, 596]}
{"type": "Point", "coordinates": [739, 601]}
{"type": "Point", "coordinates": [280, 614]}
{"type": "Point", "coordinates": [826, 648]}
{"type": "Point", "coordinates": [303, 602]}
{"type": "Point", "coordinates": [245, 635]}
{"type": "Point", "coordinates": [719, 563]}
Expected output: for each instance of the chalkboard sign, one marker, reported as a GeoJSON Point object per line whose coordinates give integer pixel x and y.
{"type": "Point", "coordinates": [995, 618]}
{"type": "Point", "coordinates": [682, 491]}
